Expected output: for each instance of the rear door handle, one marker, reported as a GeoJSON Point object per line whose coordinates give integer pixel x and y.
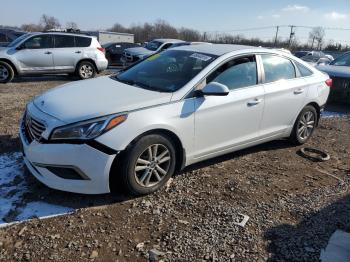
{"type": "Point", "coordinates": [77, 52]}
{"type": "Point", "coordinates": [254, 102]}
{"type": "Point", "coordinates": [48, 53]}
{"type": "Point", "coordinates": [298, 91]}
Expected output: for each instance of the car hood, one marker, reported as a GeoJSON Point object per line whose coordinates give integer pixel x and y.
{"type": "Point", "coordinates": [139, 51]}
{"type": "Point", "coordinates": [97, 97]}
{"type": "Point", "coordinates": [335, 71]}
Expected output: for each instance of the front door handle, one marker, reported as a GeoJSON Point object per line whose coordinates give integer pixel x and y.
{"type": "Point", "coordinates": [48, 53]}
{"type": "Point", "coordinates": [78, 52]}
{"type": "Point", "coordinates": [254, 102]}
{"type": "Point", "coordinates": [298, 91]}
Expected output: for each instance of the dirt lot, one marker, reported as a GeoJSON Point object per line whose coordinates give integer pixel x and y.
{"type": "Point", "coordinates": [293, 204]}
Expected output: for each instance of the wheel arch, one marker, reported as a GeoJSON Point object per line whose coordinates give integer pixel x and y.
{"type": "Point", "coordinates": [11, 64]}
{"type": "Point", "coordinates": [318, 110]}
{"type": "Point", "coordinates": [86, 60]}
{"type": "Point", "coordinates": [180, 154]}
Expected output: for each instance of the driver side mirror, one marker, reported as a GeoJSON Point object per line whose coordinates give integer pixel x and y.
{"type": "Point", "coordinates": [213, 89]}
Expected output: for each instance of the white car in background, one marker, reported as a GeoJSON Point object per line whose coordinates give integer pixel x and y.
{"type": "Point", "coordinates": [173, 109]}
{"type": "Point", "coordinates": [134, 54]}
{"type": "Point", "coordinates": [52, 53]}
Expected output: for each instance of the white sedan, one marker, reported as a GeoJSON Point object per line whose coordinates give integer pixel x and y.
{"type": "Point", "coordinates": [191, 103]}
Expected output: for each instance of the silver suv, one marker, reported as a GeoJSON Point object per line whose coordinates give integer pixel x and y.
{"type": "Point", "coordinates": [52, 53]}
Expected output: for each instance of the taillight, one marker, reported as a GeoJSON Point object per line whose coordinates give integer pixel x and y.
{"type": "Point", "coordinates": [329, 82]}
{"type": "Point", "coordinates": [102, 49]}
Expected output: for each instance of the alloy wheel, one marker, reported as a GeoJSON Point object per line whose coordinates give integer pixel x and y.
{"type": "Point", "coordinates": [152, 165]}
{"type": "Point", "coordinates": [4, 73]}
{"type": "Point", "coordinates": [306, 125]}
{"type": "Point", "coordinates": [86, 71]}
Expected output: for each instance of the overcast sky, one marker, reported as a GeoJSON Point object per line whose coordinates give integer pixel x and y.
{"type": "Point", "coordinates": [203, 15]}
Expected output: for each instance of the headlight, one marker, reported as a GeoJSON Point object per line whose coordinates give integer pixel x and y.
{"type": "Point", "coordinates": [87, 129]}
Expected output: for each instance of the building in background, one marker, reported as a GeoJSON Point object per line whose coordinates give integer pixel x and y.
{"type": "Point", "coordinates": [105, 37]}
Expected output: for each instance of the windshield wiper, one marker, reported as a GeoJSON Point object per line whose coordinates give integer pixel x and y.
{"type": "Point", "coordinates": [141, 85]}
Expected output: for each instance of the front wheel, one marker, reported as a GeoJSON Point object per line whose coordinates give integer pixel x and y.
{"type": "Point", "coordinates": [86, 70]}
{"type": "Point", "coordinates": [304, 125]}
{"type": "Point", "coordinates": [6, 72]}
{"type": "Point", "coordinates": [148, 164]}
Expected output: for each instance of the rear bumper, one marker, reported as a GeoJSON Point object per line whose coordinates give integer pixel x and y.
{"type": "Point", "coordinates": [101, 64]}
{"type": "Point", "coordinates": [93, 165]}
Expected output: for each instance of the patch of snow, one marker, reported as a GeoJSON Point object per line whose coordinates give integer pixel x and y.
{"type": "Point", "coordinates": [13, 187]}
{"type": "Point", "coordinates": [330, 114]}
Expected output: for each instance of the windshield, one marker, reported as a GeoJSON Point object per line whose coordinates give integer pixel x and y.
{"type": "Point", "coordinates": [167, 71]}
{"type": "Point", "coordinates": [153, 45]}
{"type": "Point", "coordinates": [343, 60]}
{"type": "Point", "coordinates": [18, 40]}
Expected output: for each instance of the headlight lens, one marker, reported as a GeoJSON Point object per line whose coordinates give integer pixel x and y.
{"type": "Point", "coordinates": [87, 129]}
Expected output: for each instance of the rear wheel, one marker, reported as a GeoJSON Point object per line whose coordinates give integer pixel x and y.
{"type": "Point", "coordinates": [6, 72]}
{"type": "Point", "coordinates": [304, 125]}
{"type": "Point", "coordinates": [86, 70]}
{"type": "Point", "coordinates": [148, 164]}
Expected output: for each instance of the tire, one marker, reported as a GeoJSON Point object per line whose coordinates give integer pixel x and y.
{"type": "Point", "coordinates": [304, 126]}
{"type": "Point", "coordinates": [145, 180]}
{"type": "Point", "coordinates": [6, 72]}
{"type": "Point", "coordinates": [86, 70]}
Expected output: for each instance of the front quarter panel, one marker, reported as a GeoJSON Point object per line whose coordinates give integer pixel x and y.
{"type": "Point", "coordinates": [177, 117]}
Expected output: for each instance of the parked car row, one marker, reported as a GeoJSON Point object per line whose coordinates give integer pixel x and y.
{"type": "Point", "coordinates": [314, 57]}
{"type": "Point", "coordinates": [74, 54]}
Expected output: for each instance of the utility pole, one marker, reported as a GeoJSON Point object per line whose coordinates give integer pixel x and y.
{"type": "Point", "coordinates": [276, 37]}
{"type": "Point", "coordinates": [292, 33]}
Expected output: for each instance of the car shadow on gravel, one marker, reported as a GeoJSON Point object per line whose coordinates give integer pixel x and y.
{"type": "Point", "coordinates": [273, 145]}
{"type": "Point", "coordinates": [45, 78]}
{"type": "Point", "coordinates": [305, 241]}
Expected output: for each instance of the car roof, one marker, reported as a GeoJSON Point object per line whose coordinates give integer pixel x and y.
{"type": "Point", "coordinates": [168, 40]}
{"type": "Point", "coordinates": [59, 33]}
{"type": "Point", "coordinates": [218, 49]}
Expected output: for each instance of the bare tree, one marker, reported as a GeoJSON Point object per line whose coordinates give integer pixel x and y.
{"type": "Point", "coordinates": [317, 35]}
{"type": "Point", "coordinates": [72, 25]}
{"type": "Point", "coordinates": [118, 28]}
{"type": "Point", "coordinates": [49, 22]}
{"type": "Point", "coordinates": [31, 27]}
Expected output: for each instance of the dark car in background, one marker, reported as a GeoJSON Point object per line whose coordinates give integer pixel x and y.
{"type": "Point", "coordinates": [114, 51]}
{"type": "Point", "coordinates": [8, 35]}
{"type": "Point", "coordinates": [339, 71]}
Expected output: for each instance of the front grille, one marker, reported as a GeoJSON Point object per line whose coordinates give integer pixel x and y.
{"type": "Point", "coordinates": [33, 128]}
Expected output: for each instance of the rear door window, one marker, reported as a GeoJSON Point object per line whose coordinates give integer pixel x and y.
{"type": "Point", "coordinates": [82, 41]}
{"type": "Point", "coordinates": [277, 68]}
{"type": "Point", "coordinates": [64, 41]}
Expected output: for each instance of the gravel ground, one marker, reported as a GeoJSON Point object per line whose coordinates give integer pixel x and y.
{"type": "Point", "coordinates": [293, 204]}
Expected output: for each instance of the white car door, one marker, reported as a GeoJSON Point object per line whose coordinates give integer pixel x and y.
{"type": "Point", "coordinates": [65, 54]}
{"type": "Point", "coordinates": [284, 94]}
{"type": "Point", "coordinates": [224, 122]}
{"type": "Point", "coordinates": [35, 55]}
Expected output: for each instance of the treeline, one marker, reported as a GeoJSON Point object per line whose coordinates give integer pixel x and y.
{"type": "Point", "coordinates": [162, 29]}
